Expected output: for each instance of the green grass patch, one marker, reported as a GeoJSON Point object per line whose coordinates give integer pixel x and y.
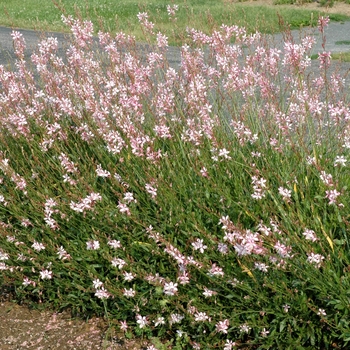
{"type": "Point", "coordinates": [341, 56]}
{"type": "Point", "coordinates": [342, 42]}
{"type": "Point", "coordinates": [121, 15]}
{"type": "Point", "coordinates": [338, 56]}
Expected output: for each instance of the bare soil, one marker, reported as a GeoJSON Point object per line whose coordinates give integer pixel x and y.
{"type": "Point", "coordinates": [24, 328]}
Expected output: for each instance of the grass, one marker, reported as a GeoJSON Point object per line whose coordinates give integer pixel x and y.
{"type": "Point", "coordinates": [121, 15]}
{"type": "Point", "coordinates": [341, 56]}
{"type": "Point", "coordinates": [337, 56]}
{"type": "Point", "coordinates": [204, 207]}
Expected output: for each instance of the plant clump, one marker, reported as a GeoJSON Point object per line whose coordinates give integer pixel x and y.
{"type": "Point", "coordinates": [204, 204]}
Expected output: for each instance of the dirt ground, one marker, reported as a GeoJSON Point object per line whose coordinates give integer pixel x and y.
{"type": "Point", "coordinates": [23, 328]}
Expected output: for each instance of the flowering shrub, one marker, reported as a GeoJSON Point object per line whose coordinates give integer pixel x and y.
{"type": "Point", "coordinates": [205, 204]}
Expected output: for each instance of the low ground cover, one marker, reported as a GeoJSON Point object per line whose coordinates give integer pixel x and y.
{"type": "Point", "coordinates": [202, 207]}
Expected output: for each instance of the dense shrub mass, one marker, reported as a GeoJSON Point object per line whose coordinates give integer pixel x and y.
{"type": "Point", "coordinates": [204, 204]}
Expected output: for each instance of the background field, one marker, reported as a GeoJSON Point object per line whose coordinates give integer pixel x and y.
{"type": "Point", "coordinates": [121, 15]}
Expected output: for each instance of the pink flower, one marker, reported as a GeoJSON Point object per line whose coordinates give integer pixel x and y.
{"type": "Point", "coordinates": [151, 190]}
{"type": "Point", "coordinates": [118, 262]}
{"type": "Point", "coordinates": [123, 208]}
{"type": "Point", "coordinates": [282, 250]}
{"type": "Point", "coordinates": [332, 195]}
{"type": "Point", "coordinates": [216, 271]}
{"type": "Point", "coordinates": [315, 259]}
{"type": "Point", "coordinates": [92, 245]}
{"type": "Point", "coordinates": [172, 9]}
{"type": "Point", "coordinates": [222, 326]}
{"type": "Point", "coordinates": [322, 23]}
{"type": "Point", "coordinates": [285, 193]}
{"type": "Point", "coordinates": [310, 235]}
{"type": "Point", "coordinates": [38, 246]}
{"type": "Point", "coordinates": [123, 326]}
{"type": "Point", "coordinates": [162, 40]}
{"type": "Point", "coordinates": [198, 245]}
{"type": "Point", "coordinates": [101, 172]}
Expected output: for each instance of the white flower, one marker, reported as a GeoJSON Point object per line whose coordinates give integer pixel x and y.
{"type": "Point", "coordinates": [224, 153]}
{"type": "Point", "coordinates": [340, 161]}
{"type": "Point", "coordinates": [201, 317]}
{"type": "Point", "coordinates": [3, 256]}
{"type": "Point", "coordinates": [151, 190]}
{"type": "Point", "coordinates": [216, 271]}
{"type": "Point", "coordinates": [223, 248]}
{"type": "Point", "coordinates": [118, 262]}
{"type": "Point", "coordinates": [129, 197]}
{"type": "Point", "coordinates": [175, 318]}
{"type": "Point", "coordinates": [92, 245]}
{"type": "Point", "coordinates": [62, 254]}
{"type": "Point", "coordinates": [46, 274]}
{"type": "Point", "coordinates": [141, 321]}
{"type": "Point", "coordinates": [222, 326]}
{"type": "Point", "coordinates": [244, 328]}
{"type": "Point", "coordinates": [38, 246]}
{"type": "Point", "coordinates": [102, 173]}
{"type": "Point", "coordinates": [159, 321]}
{"type": "Point", "coordinates": [151, 347]}
{"type": "Point", "coordinates": [198, 245]}
{"type": "Point", "coordinates": [102, 294]}
{"type": "Point", "coordinates": [321, 312]}
{"type": "Point", "coordinates": [179, 333]}
{"type": "Point", "coordinates": [128, 276]}
{"type": "Point", "coordinates": [97, 283]}
{"type": "Point", "coordinates": [310, 235]}
{"type": "Point", "coordinates": [229, 345]}
{"type": "Point", "coordinates": [114, 244]}
{"type": "Point", "coordinates": [264, 332]}
{"type": "Point", "coordinates": [170, 288]}
{"type": "Point", "coordinates": [129, 293]}
{"type": "Point", "coordinates": [286, 308]}
{"type": "Point", "coordinates": [123, 326]}
{"type": "Point", "coordinates": [208, 293]}
{"type": "Point", "coordinates": [315, 259]}
{"type": "Point", "coordinates": [285, 193]}
{"type": "Point", "coordinates": [261, 266]}
{"type": "Point", "coordinates": [27, 282]}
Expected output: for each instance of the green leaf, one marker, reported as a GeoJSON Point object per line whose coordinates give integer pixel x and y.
{"type": "Point", "coordinates": [282, 325]}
